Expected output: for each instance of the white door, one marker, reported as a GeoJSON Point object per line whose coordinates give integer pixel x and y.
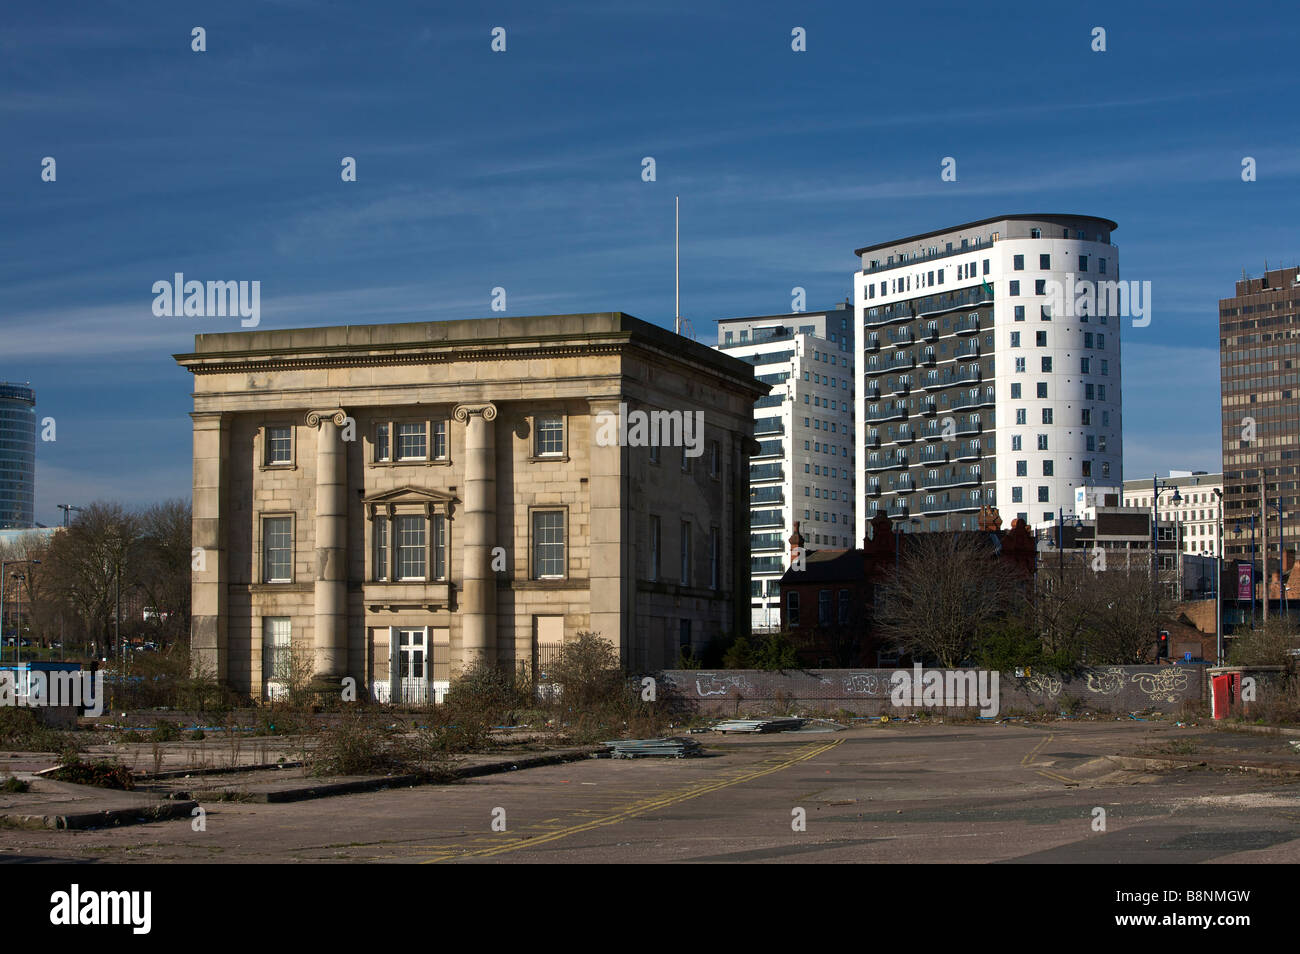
{"type": "Point", "coordinates": [413, 665]}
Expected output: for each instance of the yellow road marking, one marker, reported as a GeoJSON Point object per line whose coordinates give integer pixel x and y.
{"type": "Point", "coordinates": [1028, 762]}
{"type": "Point", "coordinates": [638, 808]}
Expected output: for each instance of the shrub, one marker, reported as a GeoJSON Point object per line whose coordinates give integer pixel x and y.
{"type": "Point", "coordinates": [22, 731]}
{"type": "Point", "coordinates": [14, 785]}
{"type": "Point", "coordinates": [588, 672]}
{"type": "Point", "coordinates": [359, 743]}
{"type": "Point", "coordinates": [104, 773]}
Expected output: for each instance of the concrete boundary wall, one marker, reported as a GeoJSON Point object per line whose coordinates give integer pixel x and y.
{"type": "Point", "coordinates": [867, 691]}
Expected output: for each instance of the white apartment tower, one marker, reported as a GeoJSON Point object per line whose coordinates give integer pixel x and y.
{"type": "Point", "coordinates": [971, 391]}
{"type": "Point", "coordinates": [804, 469]}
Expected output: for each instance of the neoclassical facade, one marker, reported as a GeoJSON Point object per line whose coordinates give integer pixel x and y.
{"type": "Point", "coordinates": [392, 502]}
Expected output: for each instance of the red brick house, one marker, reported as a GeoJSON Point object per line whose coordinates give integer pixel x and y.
{"type": "Point", "coordinates": [826, 606]}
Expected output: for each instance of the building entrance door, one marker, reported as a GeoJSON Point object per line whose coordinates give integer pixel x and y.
{"type": "Point", "coordinates": [413, 665]}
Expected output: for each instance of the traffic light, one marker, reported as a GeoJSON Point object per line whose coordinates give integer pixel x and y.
{"type": "Point", "coordinates": [1162, 645]}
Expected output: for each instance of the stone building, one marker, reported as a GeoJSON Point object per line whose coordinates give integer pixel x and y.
{"type": "Point", "coordinates": [392, 502]}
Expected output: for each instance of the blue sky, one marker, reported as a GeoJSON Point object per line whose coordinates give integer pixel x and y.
{"type": "Point", "coordinates": [522, 169]}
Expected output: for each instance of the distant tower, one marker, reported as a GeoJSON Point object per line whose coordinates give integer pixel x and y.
{"type": "Point", "coordinates": [17, 457]}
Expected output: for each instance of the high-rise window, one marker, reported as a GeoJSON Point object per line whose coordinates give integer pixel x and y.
{"type": "Point", "coordinates": [1018, 263]}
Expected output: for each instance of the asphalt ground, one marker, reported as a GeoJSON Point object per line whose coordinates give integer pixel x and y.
{"type": "Point", "coordinates": [901, 793]}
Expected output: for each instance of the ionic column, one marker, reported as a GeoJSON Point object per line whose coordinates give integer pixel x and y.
{"type": "Point", "coordinates": [331, 635]}
{"type": "Point", "coordinates": [479, 527]}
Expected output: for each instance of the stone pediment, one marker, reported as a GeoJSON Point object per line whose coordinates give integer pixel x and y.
{"type": "Point", "coordinates": [405, 496]}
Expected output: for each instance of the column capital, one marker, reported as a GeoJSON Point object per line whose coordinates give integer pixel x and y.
{"type": "Point", "coordinates": [337, 415]}
{"type": "Point", "coordinates": [486, 409]}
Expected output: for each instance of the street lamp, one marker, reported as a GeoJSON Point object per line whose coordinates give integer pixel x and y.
{"type": "Point", "coordinates": [17, 633]}
{"type": "Point", "coordinates": [1218, 583]}
{"type": "Point", "coordinates": [1281, 560]}
{"type": "Point", "coordinates": [1157, 487]}
{"type": "Point", "coordinates": [1237, 532]}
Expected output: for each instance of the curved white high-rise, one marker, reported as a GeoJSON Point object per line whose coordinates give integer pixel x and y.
{"type": "Point", "coordinates": [986, 375]}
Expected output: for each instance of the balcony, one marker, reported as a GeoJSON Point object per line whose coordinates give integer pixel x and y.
{"type": "Point", "coordinates": [901, 359]}
{"type": "Point", "coordinates": [872, 344]}
{"type": "Point", "coordinates": [871, 439]}
{"type": "Point", "coordinates": [967, 326]}
{"type": "Point", "coordinates": [969, 427]}
{"type": "Point", "coordinates": [905, 436]}
{"type": "Point", "coordinates": [929, 408]}
{"type": "Point", "coordinates": [967, 352]}
{"type": "Point", "coordinates": [763, 472]}
{"type": "Point", "coordinates": [902, 339]}
{"type": "Point", "coordinates": [962, 478]}
{"type": "Point", "coordinates": [897, 509]}
{"type": "Point", "coordinates": [767, 495]}
{"type": "Point", "coordinates": [878, 414]}
{"type": "Point", "coordinates": [927, 358]}
{"type": "Point", "coordinates": [768, 425]}
{"type": "Point", "coordinates": [930, 334]}
{"type": "Point", "coordinates": [873, 489]}
{"type": "Point", "coordinates": [969, 451]}
{"type": "Point", "coordinates": [872, 392]}
{"type": "Point", "coordinates": [903, 387]}
{"type": "Point", "coordinates": [877, 464]}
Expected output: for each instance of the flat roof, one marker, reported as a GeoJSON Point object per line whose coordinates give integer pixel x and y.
{"type": "Point", "coordinates": [842, 306]}
{"type": "Point", "coordinates": [996, 218]}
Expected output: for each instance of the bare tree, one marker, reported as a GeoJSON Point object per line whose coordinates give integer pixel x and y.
{"type": "Point", "coordinates": [162, 567]}
{"type": "Point", "coordinates": [91, 560]}
{"type": "Point", "coordinates": [1124, 613]}
{"type": "Point", "coordinates": [949, 588]}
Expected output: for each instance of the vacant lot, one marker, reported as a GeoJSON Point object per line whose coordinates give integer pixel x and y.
{"type": "Point", "coordinates": [898, 793]}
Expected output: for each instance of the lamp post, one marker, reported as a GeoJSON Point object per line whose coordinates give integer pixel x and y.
{"type": "Point", "coordinates": [1281, 561]}
{"type": "Point", "coordinates": [1236, 531]}
{"type": "Point", "coordinates": [1157, 487]}
{"type": "Point", "coordinates": [1218, 583]}
{"type": "Point", "coordinates": [17, 634]}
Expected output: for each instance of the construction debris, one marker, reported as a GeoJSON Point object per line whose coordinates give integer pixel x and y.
{"type": "Point", "coordinates": [758, 725]}
{"type": "Point", "coordinates": [677, 747]}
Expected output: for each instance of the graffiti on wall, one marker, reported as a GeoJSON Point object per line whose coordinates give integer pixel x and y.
{"type": "Point", "coordinates": [867, 684]}
{"type": "Point", "coordinates": [1167, 684]}
{"type": "Point", "coordinates": [1107, 682]}
{"type": "Point", "coordinates": [712, 684]}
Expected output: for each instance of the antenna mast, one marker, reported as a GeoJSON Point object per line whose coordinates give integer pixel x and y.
{"type": "Point", "coordinates": [677, 263]}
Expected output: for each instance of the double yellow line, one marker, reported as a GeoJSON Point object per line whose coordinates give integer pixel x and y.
{"type": "Point", "coordinates": [637, 808]}
{"type": "Point", "coordinates": [1028, 762]}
